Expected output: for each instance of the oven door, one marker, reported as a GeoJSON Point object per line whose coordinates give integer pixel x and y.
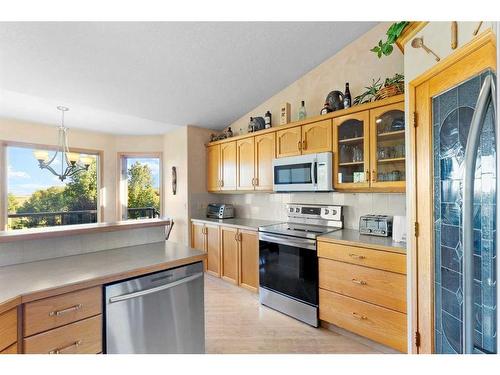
{"type": "Point", "coordinates": [289, 266]}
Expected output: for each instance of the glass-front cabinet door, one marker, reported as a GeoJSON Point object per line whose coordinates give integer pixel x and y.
{"type": "Point", "coordinates": [351, 151]}
{"type": "Point", "coordinates": [388, 147]}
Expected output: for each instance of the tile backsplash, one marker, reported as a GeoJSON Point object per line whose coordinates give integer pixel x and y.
{"type": "Point", "coordinates": [271, 206]}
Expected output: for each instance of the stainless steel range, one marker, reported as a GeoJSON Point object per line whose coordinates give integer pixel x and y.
{"type": "Point", "coordinates": [288, 271]}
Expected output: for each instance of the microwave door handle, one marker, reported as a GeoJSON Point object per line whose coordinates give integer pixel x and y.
{"type": "Point", "coordinates": [471, 150]}
{"type": "Point", "coordinates": [313, 173]}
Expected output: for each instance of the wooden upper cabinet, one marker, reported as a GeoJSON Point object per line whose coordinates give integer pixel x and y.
{"type": "Point", "coordinates": [289, 142]}
{"type": "Point", "coordinates": [228, 166]}
{"type": "Point", "coordinates": [213, 249]}
{"type": "Point", "coordinates": [265, 152]}
{"type": "Point", "coordinates": [249, 259]}
{"type": "Point", "coordinates": [213, 168]}
{"type": "Point", "coordinates": [317, 137]}
{"type": "Point", "coordinates": [229, 254]}
{"type": "Point", "coordinates": [387, 148]}
{"type": "Point", "coordinates": [246, 164]}
{"type": "Point", "coordinates": [351, 151]}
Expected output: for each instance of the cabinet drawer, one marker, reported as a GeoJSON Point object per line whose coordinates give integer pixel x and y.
{"type": "Point", "coordinates": [377, 323]}
{"type": "Point", "coordinates": [57, 311]}
{"type": "Point", "coordinates": [10, 350]}
{"type": "Point", "coordinates": [379, 287]}
{"type": "Point", "coordinates": [383, 260]}
{"type": "Point", "coordinates": [8, 328]}
{"type": "Point", "coordinates": [83, 337]}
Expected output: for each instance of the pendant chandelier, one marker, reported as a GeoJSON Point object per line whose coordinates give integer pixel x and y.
{"type": "Point", "coordinates": [71, 163]}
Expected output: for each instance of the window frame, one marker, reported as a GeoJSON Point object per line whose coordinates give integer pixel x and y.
{"type": "Point", "coordinates": [4, 189]}
{"type": "Point", "coordinates": [121, 185]}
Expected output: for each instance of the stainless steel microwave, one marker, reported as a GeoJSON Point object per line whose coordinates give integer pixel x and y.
{"type": "Point", "coordinates": [312, 172]}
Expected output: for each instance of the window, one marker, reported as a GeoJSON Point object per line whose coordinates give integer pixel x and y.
{"type": "Point", "coordinates": [140, 186]}
{"type": "Point", "coordinates": [37, 198]}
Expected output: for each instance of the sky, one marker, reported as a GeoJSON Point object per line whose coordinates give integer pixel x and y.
{"type": "Point", "coordinates": [24, 176]}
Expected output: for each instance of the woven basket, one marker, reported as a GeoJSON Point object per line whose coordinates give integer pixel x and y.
{"type": "Point", "coordinates": [388, 91]}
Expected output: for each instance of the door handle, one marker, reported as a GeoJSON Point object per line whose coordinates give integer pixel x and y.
{"type": "Point", "coordinates": [358, 316]}
{"type": "Point", "coordinates": [367, 177]}
{"type": "Point", "coordinates": [76, 344]}
{"type": "Point", "coordinates": [373, 176]}
{"type": "Point", "coordinates": [304, 145]}
{"type": "Point", "coordinates": [360, 282]}
{"type": "Point", "coordinates": [356, 256]}
{"type": "Point", "coordinates": [299, 145]}
{"type": "Point", "coordinates": [64, 311]}
{"type": "Point", "coordinates": [157, 289]}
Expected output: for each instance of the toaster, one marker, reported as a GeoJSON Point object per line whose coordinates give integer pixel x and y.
{"type": "Point", "coordinates": [376, 225]}
{"type": "Point", "coordinates": [220, 211]}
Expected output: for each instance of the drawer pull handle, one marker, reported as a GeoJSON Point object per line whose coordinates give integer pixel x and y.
{"type": "Point", "coordinates": [356, 256]}
{"type": "Point", "coordinates": [76, 344]}
{"type": "Point", "coordinates": [360, 282]}
{"type": "Point", "coordinates": [358, 316]}
{"type": "Point", "coordinates": [69, 309]}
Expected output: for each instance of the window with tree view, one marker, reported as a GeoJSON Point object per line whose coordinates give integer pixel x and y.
{"type": "Point", "coordinates": [37, 198]}
{"type": "Point", "coordinates": [141, 176]}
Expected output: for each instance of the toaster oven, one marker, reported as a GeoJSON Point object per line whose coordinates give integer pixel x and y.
{"type": "Point", "coordinates": [220, 211]}
{"type": "Point", "coordinates": [376, 225]}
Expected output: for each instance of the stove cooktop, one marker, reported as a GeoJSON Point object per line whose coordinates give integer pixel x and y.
{"type": "Point", "coordinates": [298, 230]}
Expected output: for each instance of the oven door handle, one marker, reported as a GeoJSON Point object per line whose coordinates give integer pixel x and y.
{"type": "Point", "coordinates": [303, 243]}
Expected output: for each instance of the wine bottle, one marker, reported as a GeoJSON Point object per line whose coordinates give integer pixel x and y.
{"type": "Point", "coordinates": [267, 119]}
{"type": "Point", "coordinates": [302, 111]}
{"type": "Point", "coordinates": [347, 96]}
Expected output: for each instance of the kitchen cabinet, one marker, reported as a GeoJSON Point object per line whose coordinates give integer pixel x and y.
{"type": "Point", "coordinates": [249, 259]}
{"type": "Point", "coordinates": [228, 166]}
{"type": "Point", "coordinates": [317, 137]}
{"type": "Point", "coordinates": [363, 290]}
{"type": "Point", "coordinates": [370, 150]}
{"type": "Point", "coordinates": [205, 237]}
{"type": "Point", "coordinates": [289, 142]}
{"type": "Point", "coordinates": [213, 168]}
{"type": "Point", "coordinates": [265, 152]}
{"type": "Point", "coordinates": [8, 330]}
{"type": "Point", "coordinates": [245, 154]}
{"type": "Point", "coordinates": [351, 169]}
{"type": "Point", "coordinates": [229, 254]}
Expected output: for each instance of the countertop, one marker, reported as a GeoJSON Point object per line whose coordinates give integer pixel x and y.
{"type": "Point", "coordinates": [30, 281]}
{"type": "Point", "coordinates": [250, 224]}
{"type": "Point", "coordinates": [67, 230]}
{"type": "Point", "coordinates": [354, 238]}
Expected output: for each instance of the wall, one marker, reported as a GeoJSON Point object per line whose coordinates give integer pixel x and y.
{"type": "Point", "coordinates": [354, 64]}
{"type": "Point", "coordinates": [357, 65]}
{"type": "Point", "coordinates": [28, 132]}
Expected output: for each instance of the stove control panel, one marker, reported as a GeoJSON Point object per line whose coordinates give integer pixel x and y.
{"type": "Point", "coordinates": [314, 211]}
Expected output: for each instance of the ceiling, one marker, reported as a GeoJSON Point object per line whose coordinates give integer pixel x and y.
{"type": "Point", "coordinates": [150, 77]}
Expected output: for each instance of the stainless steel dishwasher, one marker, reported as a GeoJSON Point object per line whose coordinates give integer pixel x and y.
{"type": "Point", "coordinates": [157, 313]}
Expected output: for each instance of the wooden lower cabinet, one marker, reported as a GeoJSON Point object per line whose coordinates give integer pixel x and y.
{"type": "Point", "coordinates": [364, 291]}
{"type": "Point", "coordinates": [213, 249]}
{"type": "Point", "coordinates": [8, 329]}
{"type": "Point", "coordinates": [10, 350]}
{"type": "Point", "coordinates": [229, 254]}
{"type": "Point", "coordinates": [82, 337]}
{"type": "Point", "coordinates": [249, 259]}
{"type": "Point", "coordinates": [198, 236]}
{"type": "Point", "coordinates": [377, 323]}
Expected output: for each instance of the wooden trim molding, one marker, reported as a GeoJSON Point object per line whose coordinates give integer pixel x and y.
{"type": "Point", "coordinates": [409, 32]}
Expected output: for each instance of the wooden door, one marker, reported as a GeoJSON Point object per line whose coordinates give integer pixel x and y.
{"type": "Point", "coordinates": [246, 164]}
{"type": "Point", "coordinates": [228, 165]}
{"type": "Point", "coordinates": [213, 249]}
{"type": "Point", "coordinates": [213, 168]}
{"type": "Point", "coordinates": [351, 147]}
{"type": "Point", "coordinates": [387, 148]}
{"type": "Point", "coordinates": [249, 259]}
{"type": "Point", "coordinates": [265, 152]}
{"type": "Point", "coordinates": [470, 60]}
{"type": "Point", "coordinates": [317, 137]}
{"type": "Point", "coordinates": [229, 254]}
{"type": "Point", "coordinates": [289, 142]}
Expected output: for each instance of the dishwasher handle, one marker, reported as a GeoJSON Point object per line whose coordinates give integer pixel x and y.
{"type": "Point", "coordinates": [156, 289]}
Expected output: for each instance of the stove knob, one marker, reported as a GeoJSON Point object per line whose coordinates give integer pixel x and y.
{"type": "Point", "coordinates": [327, 211]}
{"type": "Point", "coordinates": [334, 212]}
{"type": "Point", "coordinates": [291, 209]}
{"type": "Point", "coordinates": [297, 209]}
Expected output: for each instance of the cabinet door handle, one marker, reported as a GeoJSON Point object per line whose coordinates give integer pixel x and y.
{"type": "Point", "coordinates": [356, 256]}
{"type": "Point", "coordinates": [373, 176]}
{"type": "Point", "coordinates": [304, 145]}
{"type": "Point", "coordinates": [76, 344]}
{"type": "Point", "coordinates": [221, 183]}
{"type": "Point", "coordinates": [358, 316]}
{"type": "Point", "coordinates": [367, 176]}
{"type": "Point", "coordinates": [64, 311]}
{"type": "Point", "coordinates": [240, 236]}
{"type": "Point", "coordinates": [360, 282]}
{"type": "Point", "coordinates": [236, 236]}
{"type": "Point", "coordinates": [299, 145]}
{"type": "Point", "coordinates": [256, 181]}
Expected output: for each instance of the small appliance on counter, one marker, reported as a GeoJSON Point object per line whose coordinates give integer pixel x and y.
{"type": "Point", "coordinates": [220, 211]}
{"type": "Point", "coordinates": [376, 225]}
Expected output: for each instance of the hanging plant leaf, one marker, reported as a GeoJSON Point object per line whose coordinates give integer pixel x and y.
{"type": "Point", "coordinates": [393, 33]}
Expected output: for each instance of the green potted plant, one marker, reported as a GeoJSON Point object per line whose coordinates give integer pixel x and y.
{"type": "Point", "coordinates": [393, 33]}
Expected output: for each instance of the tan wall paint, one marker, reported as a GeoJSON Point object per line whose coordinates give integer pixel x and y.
{"type": "Point", "coordinates": [354, 64]}
{"type": "Point", "coordinates": [28, 132]}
